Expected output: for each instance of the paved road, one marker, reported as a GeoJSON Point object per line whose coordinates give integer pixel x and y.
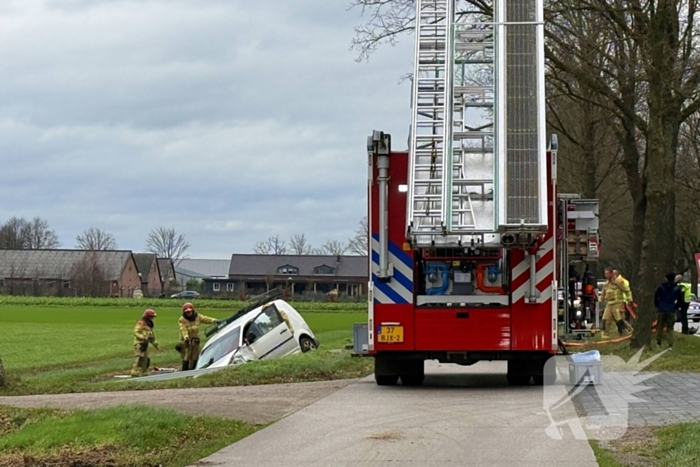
{"type": "Point", "coordinates": [460, 417]}
{"type": "Point", "coordinates": [254, 404]}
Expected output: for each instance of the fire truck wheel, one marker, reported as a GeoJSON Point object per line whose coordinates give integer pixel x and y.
{"type": "Point", "coordinates": [518, 380]}
{"type": "Point", "coordinates": [544, 380]}
{"type": "Point", "coordinates": [386, 380]}
{"type": "Point", "coordinates": [412, 380]}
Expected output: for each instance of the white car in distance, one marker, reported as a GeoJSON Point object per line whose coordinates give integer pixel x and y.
{"type": "Point", "coordinates": [260, 334]}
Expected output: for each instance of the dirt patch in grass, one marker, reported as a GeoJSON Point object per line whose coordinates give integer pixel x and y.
{"type": "Point", "coordinates": [104, 456]}
{"type": "Point", "coordinates": [634, 448]}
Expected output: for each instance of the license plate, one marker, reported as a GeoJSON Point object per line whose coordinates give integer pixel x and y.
{"type": "Point", "coordinates": [390, 334]}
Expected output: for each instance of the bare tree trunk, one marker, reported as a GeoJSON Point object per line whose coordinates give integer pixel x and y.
{"type": "Point", "coordinates": [657, 256]}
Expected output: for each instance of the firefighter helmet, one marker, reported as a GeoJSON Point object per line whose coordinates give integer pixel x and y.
{"type": "Point", "coordinates": [187, 307]}
{"type": "Point", "coordinates": [149, 313]}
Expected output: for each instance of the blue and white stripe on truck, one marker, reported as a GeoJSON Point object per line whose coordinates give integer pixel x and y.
{"type": "Point", "coordinates": [398, 290]}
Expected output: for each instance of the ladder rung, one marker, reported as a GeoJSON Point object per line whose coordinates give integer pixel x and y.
{"type": "Point", "coordinates": [471, 134]}
{"type": "Point", "coordinates": [466, 89]}
{"type": "Point", "coordinates": [466, 34]}
{"type": "Point", "coordinates": [473, 46]}
{"type": "Point", "coordinates": [428, 151]}
{"type": "Point", "coordinates": [426, 182]}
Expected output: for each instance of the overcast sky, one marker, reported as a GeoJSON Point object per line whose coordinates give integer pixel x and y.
{"type": "Point", "coordinates": [230, 120]}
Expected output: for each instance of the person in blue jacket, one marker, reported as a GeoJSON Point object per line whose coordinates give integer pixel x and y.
{"type": "Point", "coordinates": [666, 299]}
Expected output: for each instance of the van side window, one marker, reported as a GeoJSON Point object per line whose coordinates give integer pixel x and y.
{"type": "Point", "coordinates": [266, 321]}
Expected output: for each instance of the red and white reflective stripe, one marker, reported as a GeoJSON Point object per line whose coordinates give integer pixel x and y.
{"type": "Point", "coordinates": [544, 274]}
{"type": "Point", "coordinates": [370, 315]}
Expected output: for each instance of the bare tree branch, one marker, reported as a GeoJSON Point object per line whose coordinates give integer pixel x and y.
{"type": "Point", "coordinates": [272, 246]}
{"type": "Point", "coordinates": [95, 239]}
{"type": "Point", "coordinates": [298, 245]}
{"type": "Point", "coordinates": [359, 244]}
{"type": "Point", "coordinates": [167, 243]}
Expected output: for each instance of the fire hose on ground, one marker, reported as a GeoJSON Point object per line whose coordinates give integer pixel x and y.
{"type": "Point", "coordinates": [630, 310]}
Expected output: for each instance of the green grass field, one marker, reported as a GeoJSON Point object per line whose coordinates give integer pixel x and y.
{"type": "Point", "coordinates": [48, 349]}
{"type": "Point", "coordinates": [63, 348]}
{"type": "Point", "coordinates": [119, 436]}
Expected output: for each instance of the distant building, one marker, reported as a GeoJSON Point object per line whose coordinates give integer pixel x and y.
{"type": "Point", "coordinates": [68, 273]}
{"type": "Point", "coordinates": [213, 268]}
{"type": "Point", "coordinates": [167, 272]}
{"type": "Point", "coordinates": [149, 271]}
{"type": "Point", "coordinates": [303, 276]}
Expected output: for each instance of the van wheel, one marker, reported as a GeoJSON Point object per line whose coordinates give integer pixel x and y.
{"type": "Point", "coordinates": [306, 344]}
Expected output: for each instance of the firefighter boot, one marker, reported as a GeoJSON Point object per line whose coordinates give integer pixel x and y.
{"type": "Point", "coordinates": [620, 327]}
{"type": "Point", "coordinates": [193, 365]}
{"type": "Point", "coordinates": [608, 329]}
{"type": "Point", "coordinates": [185, 365]}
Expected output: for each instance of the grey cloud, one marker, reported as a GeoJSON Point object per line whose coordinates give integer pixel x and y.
{"type": "Point", "coordinates": [230, 120]}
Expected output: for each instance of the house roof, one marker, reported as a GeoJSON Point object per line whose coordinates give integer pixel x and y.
{"type": "Point", "coordinates": [204, 267]}
{"type": "Point", "coordinates": [263, 265]}
{"type": "Point", "coordinates": [166, 265]}
{"type": "Point", "coordinates": [144, 261]}
{"type": "Point", "coordinates": [57, 264]}
{"type": "Point", "coordinates": [182, 272]}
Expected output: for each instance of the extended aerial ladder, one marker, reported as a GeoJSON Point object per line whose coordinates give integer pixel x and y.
{"type": "Point", "coordinates": [478, 142]}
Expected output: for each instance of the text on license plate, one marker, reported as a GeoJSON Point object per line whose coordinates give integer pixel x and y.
{"type": "Point", "coordinates": [390, 334]}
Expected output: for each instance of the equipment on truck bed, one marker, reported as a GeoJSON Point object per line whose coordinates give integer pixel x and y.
{"type": "Point", "coordinates": [464, 240]}
{"type": "Point", "coordinates": [253, 303]}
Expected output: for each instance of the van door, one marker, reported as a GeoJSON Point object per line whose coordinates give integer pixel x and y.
{"type": "Point", "coordinates": [269, 336]}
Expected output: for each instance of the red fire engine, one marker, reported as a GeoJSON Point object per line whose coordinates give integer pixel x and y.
{"type": "Point", "coordinates": [463, 225]}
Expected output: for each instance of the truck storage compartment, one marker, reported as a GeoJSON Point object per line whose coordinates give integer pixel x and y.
{"type": "Point", "coordinates": [460, 329]}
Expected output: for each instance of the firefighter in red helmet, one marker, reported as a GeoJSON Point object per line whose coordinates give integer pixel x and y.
{"type": "Point", "coordinates": [189, 335]}
{"type": "Point", "coordinates": [143, 335]}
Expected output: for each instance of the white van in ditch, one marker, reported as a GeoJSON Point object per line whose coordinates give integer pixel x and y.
{"type": "Point", "coordinates": [272, 330]}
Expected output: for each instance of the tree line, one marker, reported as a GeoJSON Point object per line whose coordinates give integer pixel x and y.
{"type": "Point", "coordinates": [299, 245]}
{"type": "Point", "coordinates": [19, 233]}
{"type": "Point", "coordinates": [22, 234]}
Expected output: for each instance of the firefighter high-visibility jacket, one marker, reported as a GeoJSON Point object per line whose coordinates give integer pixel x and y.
{"type": "Point", "coordinates": [687, 291]}
{"type": "Point", "coordinates": [626, 291]}
{"type": "Point", "coordinates": [189, 328]}
{"type": "Point", "coordinates": [143, 332]}
{"type": "Point", "coordinates": [616, 291]}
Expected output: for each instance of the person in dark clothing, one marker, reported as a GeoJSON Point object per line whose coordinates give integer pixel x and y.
{"type": "Point", "coordinates": [666, 300]}
{"type": "Point", "coordinates": [574, 277]}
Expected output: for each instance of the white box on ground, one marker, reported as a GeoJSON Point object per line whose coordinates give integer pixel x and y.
{"type": "Point", "coordinates": [585, 373]}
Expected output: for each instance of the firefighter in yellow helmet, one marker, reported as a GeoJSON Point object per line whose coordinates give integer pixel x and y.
{"type": "Point", "coordinates": [615, 291]}
{"type": "Point", "coordinates": [189, 335]}
{"type": "Point", "coordinates": [143, 336]}
{"type": "Point", "coordinates": [626, 298]}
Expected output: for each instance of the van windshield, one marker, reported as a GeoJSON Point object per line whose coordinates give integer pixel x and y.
{"type": "Point", "coordinates": [223, 346]}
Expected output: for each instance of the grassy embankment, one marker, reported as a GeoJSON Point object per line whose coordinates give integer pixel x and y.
{"type": "Point", "coordinates": [671, 446]}
{"type": "Point", "coordinates": [58, 349]}
{"type": "Point", "coordinates": [119, 436]}
{"type": "Point", "coordinates": [78, 345]}
{"type": "Point", "coordinates": [685, 355]}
